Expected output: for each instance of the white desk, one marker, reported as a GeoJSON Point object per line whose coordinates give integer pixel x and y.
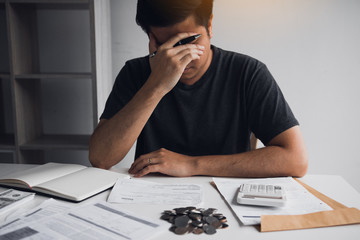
{"type": "Point", "coordinates": [326, 184]}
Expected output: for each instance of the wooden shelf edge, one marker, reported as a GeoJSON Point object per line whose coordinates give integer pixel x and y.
{"type": "Point", "coordinates": [4, 75]}
{"type": "Point", "coordinates": [53, 76]}
{"type": "Point", "coordinates": [58, 142]}
{"type": "Point", "coordinates": [7, 148]}
{"type": "Point", "coordinates": [63, 2]}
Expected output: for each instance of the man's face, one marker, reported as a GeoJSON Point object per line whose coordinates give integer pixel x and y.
{"type": "Point", "coordinates": [195, 69]}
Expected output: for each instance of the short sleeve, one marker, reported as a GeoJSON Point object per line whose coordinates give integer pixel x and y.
{"type": "Point", "coordinates": [268, 112]}
{"type": "Point", "coordinates": [128, 82]}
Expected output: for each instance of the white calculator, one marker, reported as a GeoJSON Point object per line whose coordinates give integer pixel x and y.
{"type": "Point", "coordinates": [261, 195]}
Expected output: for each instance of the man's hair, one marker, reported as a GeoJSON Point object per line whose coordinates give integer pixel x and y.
{"type": "Point", "coordinates": [164, 13]}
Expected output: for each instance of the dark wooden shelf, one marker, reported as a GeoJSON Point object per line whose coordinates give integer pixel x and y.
{"type": "Point", "coordinates": [53, 76]}
{"type": "Point", "coordinates": [55, 142]}
{"type": "Point", "coordinates": [7, 142]}
{"type": "Point", "coordinates": [4, 75]}
{"type": "Point", "coordinates": [38, 65]}
{"type": "Point", "coordinates": [57, 4]}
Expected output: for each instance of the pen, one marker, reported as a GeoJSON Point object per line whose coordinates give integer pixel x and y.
{"type": "Point", "coordinates": [181, 42]}
{"type": "Point", "coordinates": [187, 40]}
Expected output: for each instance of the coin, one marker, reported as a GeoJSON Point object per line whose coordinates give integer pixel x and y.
{"type": "Point", "coordinates": [172, 229]}
{"type": "Point", "coordinates": [197, 223]}
{"type": "Point", "coordinates": [224, 225]}
{"type": "Point", "coordinates": [180, 230]}
{"type": "Point", "coordinates": [165, 217]}
{"type": "Point", "coordinates": [217, 225]}
{"type": "Point", "coordinates": [195, 211]}
{"type": "Point", "coordinates": [181, 221]}
{"type": "Point", "coordinates": [181, 211]}
{"type": "Point", "coordinates": [211, 219]}
{"type": "Point", "coordinates": [195, 216]}
{"type": "Point", "coordinates": [198, 230]}
{"type": "Point", "coordinates": [169, 212]}
{"type": "Point", "coordinates": [223, 219]}
{"type": "Point", "coordinates": [207, 212]}
{"type": "Point", "coordinates": [190, 208]}
{"type": "Point", "coordinates": [208, 229]}
{"type": "Point", "coordinates": [218, 215]}
{"type": "Point", "coordinates": [190, 228]}
{"type": "Point", "coordinates": [196, 220]}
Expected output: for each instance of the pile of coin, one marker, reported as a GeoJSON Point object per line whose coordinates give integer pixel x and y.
{"type": "Point", "coordinates": [194, 220]}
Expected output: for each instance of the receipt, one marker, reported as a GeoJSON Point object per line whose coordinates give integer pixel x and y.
{"type": "Point", "coordinates": [146, 192]}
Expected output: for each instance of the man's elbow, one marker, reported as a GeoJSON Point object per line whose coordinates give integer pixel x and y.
{"type": "Point", "coordinates": [96, 158]}
{"type": "Point", "coordinates": [96, 161]}
{"type": "Point", "coordinates": [103, 159]}
{"type": "Point", "coordinates": [299, 165]}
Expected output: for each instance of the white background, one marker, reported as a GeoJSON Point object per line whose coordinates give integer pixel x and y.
{"type": "Point", "coordinates": [311, 47]}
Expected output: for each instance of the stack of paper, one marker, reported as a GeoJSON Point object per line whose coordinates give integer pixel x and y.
{"type": "Point", "coordinates": [11, 198]}
{"type": "Point", "coordinates": [97, 220]}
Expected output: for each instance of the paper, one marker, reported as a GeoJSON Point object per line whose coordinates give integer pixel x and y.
{"type": "Point", "coordinates": [337, 217]}
{"type": "Point", "coordinates": [47, 209]}
{"type": "Point", "coordinates": [11, 198]}
{"type": "Point", "coordinates": [146, 192]}
{"type": "Point", "coordinates": [299, 200]}
{"type": "Point", "coordinates": [97, 220]}
{"type": "Point", "coordinates": [341, 215]}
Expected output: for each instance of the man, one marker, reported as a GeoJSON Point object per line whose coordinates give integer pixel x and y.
{"type": "Point", "coordinates": [192, 107]}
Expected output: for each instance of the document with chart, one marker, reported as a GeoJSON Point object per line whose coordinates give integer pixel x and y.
{"type": "Point", "coordinates": [96, 220]}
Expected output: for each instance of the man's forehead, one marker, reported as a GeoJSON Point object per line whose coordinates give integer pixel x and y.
{"type": "Point", "coordinates": [162, 34]}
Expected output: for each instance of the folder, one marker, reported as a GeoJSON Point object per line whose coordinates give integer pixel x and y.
{"type": "Point", "coordinates": [340, 215]}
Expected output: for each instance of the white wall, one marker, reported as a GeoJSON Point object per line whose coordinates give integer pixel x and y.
{"type": "Point", "coordinates": [311, 48]}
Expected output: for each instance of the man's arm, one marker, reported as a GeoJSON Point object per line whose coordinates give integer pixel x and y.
{"type": "Point", "coordinates": [113, 138]}
{"type": "Point", "coordinates": [285, 155]}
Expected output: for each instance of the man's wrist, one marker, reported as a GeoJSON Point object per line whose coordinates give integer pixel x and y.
{"type": "Point", "coordinates": [196, 168]}
{"type": "Point", "coordinates": [156, 86]}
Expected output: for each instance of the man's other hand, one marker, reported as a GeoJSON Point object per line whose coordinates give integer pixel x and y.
{"type": "Point", "coordinates": [163, 161]}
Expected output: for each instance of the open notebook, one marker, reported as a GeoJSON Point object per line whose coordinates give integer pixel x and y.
{"type": "Point", "coordinates": [68, 181]}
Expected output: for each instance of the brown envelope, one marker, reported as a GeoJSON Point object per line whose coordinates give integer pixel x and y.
{"type": "Point", "coordinates": [341, 215]}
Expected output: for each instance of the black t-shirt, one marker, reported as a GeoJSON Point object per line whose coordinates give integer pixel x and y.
{"type": "Point", "coordinates": [237, 95]}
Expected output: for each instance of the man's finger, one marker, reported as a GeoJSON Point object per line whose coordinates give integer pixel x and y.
{"type": "Point", "coordinates": [152, 43]}
{"type": "Point", "coordinates": [146, 170]}
{"type": "Point", "coordinates": [142, 162]}
{"type": "Point", "coordinates": [171, 42]}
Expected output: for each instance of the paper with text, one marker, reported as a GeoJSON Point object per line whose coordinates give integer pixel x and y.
{"type": "Point", "coordinates": [97, 220]}
{"type": "Point", "coordinates": [146, 192]}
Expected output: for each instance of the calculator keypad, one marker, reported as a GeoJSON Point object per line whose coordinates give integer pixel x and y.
{"type": "Point", "coordinates": [261, 190]}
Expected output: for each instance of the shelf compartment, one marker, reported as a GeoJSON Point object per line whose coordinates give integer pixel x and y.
{"type": "Point", "coordinates": [7, 156]}
{"type": "Point", "coordinates": [7, 142]}
{"type": "Point", "coordinates": [49, 73]}
{"type": "Point", "coordinates": [60, 106]}
{"type": "Point", "coordinates": [58, 142]}
{"type": "Point", "coordinates": [50, 37]}
{"type": "Point", "coordinates": [4, 46]}
{"type": "Point", "coordinates": [6, 116]}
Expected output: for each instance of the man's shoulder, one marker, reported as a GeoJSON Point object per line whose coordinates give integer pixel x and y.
{"type": "Point", "coordinates": [236, 57]}
{"type": "Point", "coordinates": [134, 72]}
{"type": "Point", "coordinates": [138, 62]}
{"type": "Point", "coordinates": [137, 67]}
